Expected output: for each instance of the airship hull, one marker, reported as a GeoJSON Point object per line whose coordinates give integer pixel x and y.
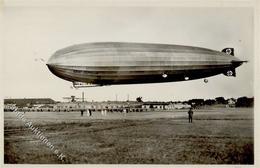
{"type": "Point", "coordinates": [132, 63]}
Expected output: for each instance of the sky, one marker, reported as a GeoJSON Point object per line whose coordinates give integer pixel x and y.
{"type": "Point", "coordinates": [31, 33]}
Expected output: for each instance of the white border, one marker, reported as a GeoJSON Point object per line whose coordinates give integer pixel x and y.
{"type": "Point", "coordinates": [147, 3]}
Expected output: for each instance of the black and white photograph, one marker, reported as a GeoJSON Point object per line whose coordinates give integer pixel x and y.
{"type": "Point", "coordinates": [128, 84]}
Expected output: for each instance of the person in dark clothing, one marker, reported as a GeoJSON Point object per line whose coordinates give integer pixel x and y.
{"type": "Point", "coordinates": [190, 112]}
{"type": "Point", "coordinates": [81, 112]}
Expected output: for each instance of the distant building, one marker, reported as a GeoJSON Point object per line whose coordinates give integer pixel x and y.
{"type": "Point", "coordinates": [164, 105]}
{"type": "Point", "coordinates": [47, 104]}
{"type": "Point", "coordinates": [40, 107]}
{"type": "Point", "coordinates": [28, 102]}
{"type": "Point", "coordinates": [181, 106]}
{"type": "Point", "coordinates": [155, 105]}
{"type": "Point", "coordinates": [109, 106]}
{"type": "Point", "coordinates": [9, 107]}
{"type": "Point", "coordinates": [231, 102]}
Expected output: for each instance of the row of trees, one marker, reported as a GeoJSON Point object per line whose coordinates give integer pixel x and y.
{"type": "Point", "coordinates": [245, 102]}
{"type": "Point", "coordinates": [239, 102]}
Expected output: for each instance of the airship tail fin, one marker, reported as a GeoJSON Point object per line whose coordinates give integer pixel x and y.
{"type": "Point", "coordinates": [229, 51]}
{"type": "Point", "coordinates": [230, 72]}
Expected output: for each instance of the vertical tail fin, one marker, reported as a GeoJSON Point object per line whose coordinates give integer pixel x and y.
{"type": "Point", "coordinates": [229, 51]}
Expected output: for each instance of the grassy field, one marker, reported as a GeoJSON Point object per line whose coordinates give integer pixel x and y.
{"type": "Point", "coordinates": [217, 136]}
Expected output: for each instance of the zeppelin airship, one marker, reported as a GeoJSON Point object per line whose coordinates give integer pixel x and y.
{"type": "Point", "coordinates": [110, 63]}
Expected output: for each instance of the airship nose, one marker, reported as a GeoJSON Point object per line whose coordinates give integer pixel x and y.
{"type": "Point", "coordinates": [51, 68]}
{"type": "Point", "coordinates": [51, 64]}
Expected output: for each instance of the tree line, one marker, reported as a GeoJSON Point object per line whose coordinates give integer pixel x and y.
{"type": "Point", "coordinates": [239, 102]}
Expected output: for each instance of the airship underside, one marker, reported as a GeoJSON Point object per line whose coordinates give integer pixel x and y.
{"type": "Point", "coordinates": [131, 63]}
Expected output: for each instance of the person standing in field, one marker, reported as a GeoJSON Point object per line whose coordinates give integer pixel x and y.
{"type": "Point", "coordinates": [190, 112]}
{"type": "Point", "coordinates": [90, 112]}
{"type": "Point", "coordinates": [81, 112]}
